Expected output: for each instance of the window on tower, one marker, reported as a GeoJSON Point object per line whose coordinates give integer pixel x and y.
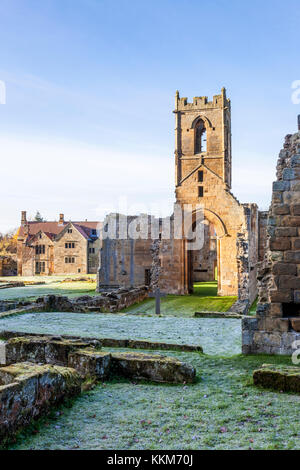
{"type": "Point", "coordinates": [200, 137]}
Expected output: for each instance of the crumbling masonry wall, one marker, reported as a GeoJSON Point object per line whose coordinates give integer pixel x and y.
{"type": "Point", "coordinates": [277, 324]}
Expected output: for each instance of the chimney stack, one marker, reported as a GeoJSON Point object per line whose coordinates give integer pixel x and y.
{"type": "Point", "coordinates": [23, 218]}
{"type": "Point", "coordinates": [61, 219]}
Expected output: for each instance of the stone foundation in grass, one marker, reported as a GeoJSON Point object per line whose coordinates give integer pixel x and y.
{"type": "Point", "coordinates": [43, 350]}
{"type": "Point", "coordinates": [218, 315]}
{"type": "Point", "coordinates": [91, 363]}
{"type": "Point", "coordinates": [110, 342]}
{"type": "Point", "coordinates": [86, 356]}
{"type": "Point", "coordinates": [35, 376]}
{"type": "Point", "coordinates": [152, 367]}
{"type": "Point", "coordinates": [282, 378]}
{"type": "Point", "coordinates": [27, 391]}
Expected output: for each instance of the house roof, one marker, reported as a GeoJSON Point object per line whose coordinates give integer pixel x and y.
{"type": "Point", "coordinates": [52, 229]}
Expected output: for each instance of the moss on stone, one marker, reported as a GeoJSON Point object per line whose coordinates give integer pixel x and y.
{"type": "Point", "coordinates": [278, 377]}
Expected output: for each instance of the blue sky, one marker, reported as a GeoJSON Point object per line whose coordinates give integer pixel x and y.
{"type": "Point", "coordinates": [90, 88]}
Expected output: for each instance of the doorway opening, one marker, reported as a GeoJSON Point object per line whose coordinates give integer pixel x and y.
{"type": "Point", "coordinates": [203, 263]}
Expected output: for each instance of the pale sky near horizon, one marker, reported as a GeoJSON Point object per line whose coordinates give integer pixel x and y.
{"type": "Point", "coordinates": [88, 127]}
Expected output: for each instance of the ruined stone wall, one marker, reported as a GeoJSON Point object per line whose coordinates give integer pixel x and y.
{"type": "Point", "coordinates": [277, 323]}
{"type": "Point", "coordinates": [124, 263]}
{"type": "Point", "coordinates": [129, 262]}
{"type": "Point", "coordinates": [262, 234]}
{"type": "Point", "coordinates": [28, 391]}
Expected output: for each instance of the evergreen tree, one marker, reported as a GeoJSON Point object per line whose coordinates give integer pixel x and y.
{"type": "Point", "coordinates": [38, 217]}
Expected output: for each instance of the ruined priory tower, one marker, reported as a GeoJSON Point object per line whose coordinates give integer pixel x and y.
{"type": "Point", "coordinates": [203, 137]}
{"type": "Point", "coordinates": [203, 162]}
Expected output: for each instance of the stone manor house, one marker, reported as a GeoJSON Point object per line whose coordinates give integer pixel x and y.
{"type": "Point", "coordinates": [61, 247]}
{"type": "Point", "coordinates": [234, 232]}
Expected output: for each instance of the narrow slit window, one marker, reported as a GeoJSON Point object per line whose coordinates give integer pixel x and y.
{"type": "Point", "coordinates": [200, 191]}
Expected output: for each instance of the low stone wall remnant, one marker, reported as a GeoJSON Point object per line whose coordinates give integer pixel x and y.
{"type": "Point", "coordinates": [27, 391]}
{"type": "Point", "coordinates": [282, 378]}
{"type": "Point", "coordinates": [40, 371]}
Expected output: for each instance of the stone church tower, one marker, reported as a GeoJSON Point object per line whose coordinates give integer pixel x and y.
{"type": "Point", "coordinates": [203, 137]}
{"type": "Point", "coordinates": [203, 161]}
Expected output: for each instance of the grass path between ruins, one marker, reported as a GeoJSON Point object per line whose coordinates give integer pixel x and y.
{"type": "Point", "coordinates": [221, 337]}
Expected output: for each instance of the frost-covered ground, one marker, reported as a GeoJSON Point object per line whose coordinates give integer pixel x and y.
{"type": "Point", "coordinates": [221, 411]}
{"type": "Point", "coordinates": [221, 337]}
{"type": "Point", "coordinates": [54, 285]}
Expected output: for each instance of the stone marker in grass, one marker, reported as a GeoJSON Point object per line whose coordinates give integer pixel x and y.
{"type": "Point", "coordinates": [277, 377]}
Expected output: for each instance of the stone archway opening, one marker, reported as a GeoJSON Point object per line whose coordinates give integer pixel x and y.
{"type": "Point", "coordinates": [203, 263]}
{"type": "Point", "coordinates": [209, 263]}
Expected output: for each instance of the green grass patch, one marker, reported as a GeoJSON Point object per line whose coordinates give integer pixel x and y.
{"type": "Point", "coordinates": [204, 299]}
{"type": "Point", "coordinates": [253, 308]}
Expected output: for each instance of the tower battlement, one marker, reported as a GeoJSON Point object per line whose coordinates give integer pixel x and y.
{"type": "Point", "coordinates": [201, 102]}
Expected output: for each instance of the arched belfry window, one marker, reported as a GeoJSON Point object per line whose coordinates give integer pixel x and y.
{"type": "Point", "coordinates": [200, 137]}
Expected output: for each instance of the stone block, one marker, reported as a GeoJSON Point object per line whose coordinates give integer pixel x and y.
{"type": "Point", "coordinates": [275, 309]}
{"type": "Point", "coordinates": [282, 296]}
{"type": "Point", "coordinates": [91, 363]}
{"type": "Point", "coordinates": [280, 244]}
{"type": "Point", "coordinates": [281, 209]}
{"type": "Point", "coordinates": [276, 324]}
{"type": "Point", "coordinates": [295, 185]}
{"type": "Point", "coordinates": [296, 244]}
{"type": "Point", "coordinates": [295, 209]}
{"type": "Point", "coordinates": [289, 282]}
{"type": "Point", "coordinates": [276, 377]}
{"type": "Point", "coordinates": [286, 232]}
{"type": "Point", "coordinates": [152, 367]}
{"type": "Point", "coordinates": [288, 174]}
{"type": "Point", "coordinates": [281, 186]}
{"type": "Point", "coordinates": [295, 323]}
{"type": "Point", "coordinates": [292, 257]}
{"type": "Point", "coordinates": [295, 161]}
{"type": "Point", "coordinates": [41, 350]}
{"type": "Point", "coordinates": [277, 197]}
{"type": "Point", "coordinates": [285, 268]}
{"type": "Point", "coordinates": [290, 221]}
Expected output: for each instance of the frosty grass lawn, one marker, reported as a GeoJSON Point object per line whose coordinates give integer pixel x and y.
{"type": "Point", "coordinates": [54, 285]}
{"type": "Point", "coordinates": [222, 410]}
